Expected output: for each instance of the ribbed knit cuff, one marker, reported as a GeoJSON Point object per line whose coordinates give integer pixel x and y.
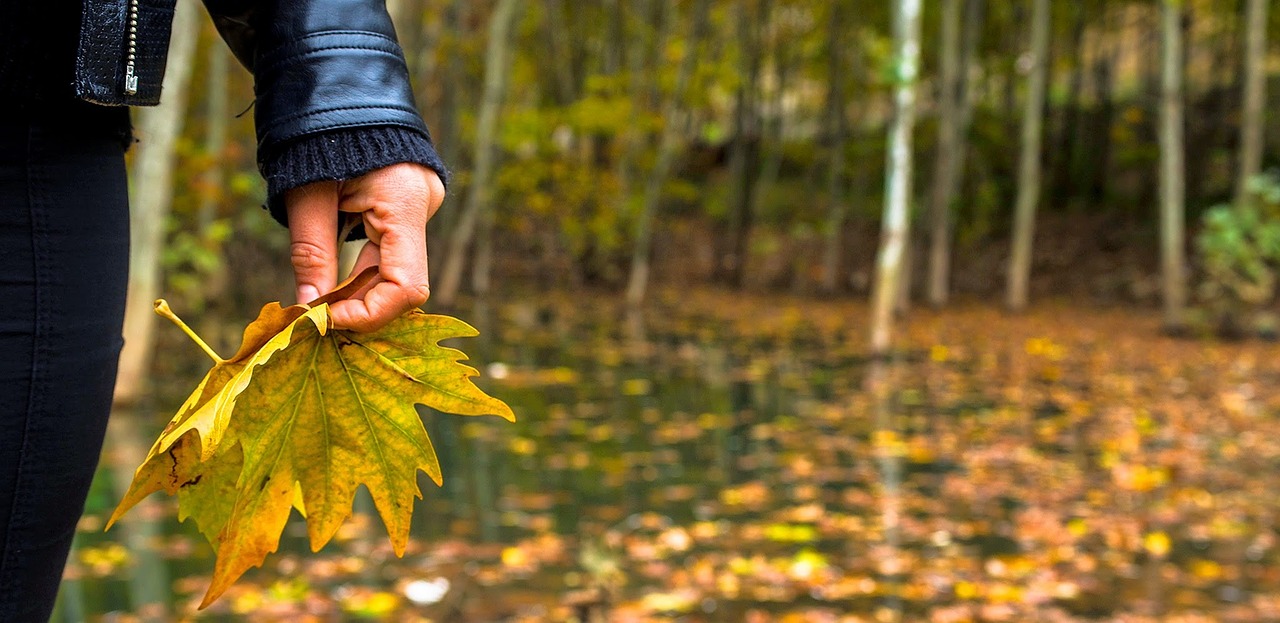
{"type": "Point", "coordinates": [340, 155]}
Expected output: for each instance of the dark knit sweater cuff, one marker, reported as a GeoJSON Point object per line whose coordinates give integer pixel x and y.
{"type": "Point", "coordinates": [340, 155]}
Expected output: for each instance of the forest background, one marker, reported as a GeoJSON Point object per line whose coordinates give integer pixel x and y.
{"type": "Point", "coordinates": [940, 310]}
{"type": "Point", "coordinates": [614, 144]}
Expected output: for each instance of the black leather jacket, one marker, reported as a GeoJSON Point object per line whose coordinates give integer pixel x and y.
{"type": "Point", "coordinates": [318, 65]}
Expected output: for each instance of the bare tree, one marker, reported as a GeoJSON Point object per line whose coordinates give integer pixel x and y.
{"type": "Point", "coordinates": [479, 195]}
{"type": "Point", "coordinates": [151, 181]}
{"type": "Point", "coordinates": [895, 228]}
{"type": "Point", "coordinates": [1172, 169]}
{"type": "Point", "coordinates": [1029, 170]}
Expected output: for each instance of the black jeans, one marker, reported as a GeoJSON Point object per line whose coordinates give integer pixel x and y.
{"type": "Point", "coordinates": [64, 247]}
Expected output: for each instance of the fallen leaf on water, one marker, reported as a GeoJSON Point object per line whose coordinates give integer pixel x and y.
{"type": "Point", "coordinates": [300, 416]}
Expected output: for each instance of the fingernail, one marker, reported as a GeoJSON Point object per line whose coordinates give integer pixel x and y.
{"type": "Point", "coordinates": [306, 294]}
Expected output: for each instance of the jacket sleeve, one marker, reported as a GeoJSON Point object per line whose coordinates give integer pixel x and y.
{"type": "Point", "coordinates": [333, 98]}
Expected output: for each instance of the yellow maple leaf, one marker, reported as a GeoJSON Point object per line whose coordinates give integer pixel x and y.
{"type": "Point", "coordinates": [302, 421]}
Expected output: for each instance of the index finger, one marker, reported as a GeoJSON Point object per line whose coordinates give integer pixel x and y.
{"type": "Point", "coordinates": [313, 234]}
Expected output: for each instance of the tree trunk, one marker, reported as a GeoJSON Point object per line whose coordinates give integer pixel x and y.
{"type": "Point", "coordinates": [151, 181]}
{"type": "Point", "coordinates": [1029, 170]}
{"type": "Point", "coordinates": [560, 41]}
{"type": "Point", "coordinates": [1255, 96]}
{"type": "Point", "coordinates": [1061, 168]}
{"type": "Point", "coordinates": [744, 166]}
{"type": "Point", "coordinates": [945, 166]}
{"type": "Point", "coordinates": [895, 224]}
{"type": "Point", "coordinates": [676, 125]}
{"type": "Point", "coordinates": [1172, 169]}
{"type": "Point", "coordinates": [1099, 143]}
{"type": "Point", "coordinates": [774, 134]}
{"type": "Point", "coordinates": [837, 134]}
{"type": "Point", "coordinates": [480, 191]}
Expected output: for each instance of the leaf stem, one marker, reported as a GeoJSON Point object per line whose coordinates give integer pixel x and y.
{"type": "Point", "coordinates": [162, 308]}
{"type": "Point", "coordinates": [348, 227]}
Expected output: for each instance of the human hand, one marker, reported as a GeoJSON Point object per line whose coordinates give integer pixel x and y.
{"type": "Point", "coordinates": [395, 203]}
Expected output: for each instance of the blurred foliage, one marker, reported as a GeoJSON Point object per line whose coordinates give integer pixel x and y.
{"type": "Point", "coordinates": [1239, 249]}
{"type": "Point", "coordinates": [580, 126]}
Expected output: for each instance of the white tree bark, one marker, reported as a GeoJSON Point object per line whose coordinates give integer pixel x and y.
{"type": "Point", "coordinates": [480, 193]}
{"type": "Point", "coordinates": [1255, 97]}
{"type": "Point", "coordinates": [895, 223]}
{"type": "Point", "coordinates": [1029, 171]}
{"type": "Point", "coordinates": [151, 181]}
{"type": "Point", "coordinates": [1172, 169]}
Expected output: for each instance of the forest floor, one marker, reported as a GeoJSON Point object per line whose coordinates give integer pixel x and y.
{"type": "Point", "coordinates": [739, 458]}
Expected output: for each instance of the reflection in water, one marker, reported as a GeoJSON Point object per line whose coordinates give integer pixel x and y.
{"type": "Point", "coordinates": [880, 384]}
{"type": "Point", "coordinates": [729, 460]}
{"type": "Point", "coordinates": [148, 580]}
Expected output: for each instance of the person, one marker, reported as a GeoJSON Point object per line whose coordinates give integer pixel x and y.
{"type": "Point", "coordinates": [337, 133]}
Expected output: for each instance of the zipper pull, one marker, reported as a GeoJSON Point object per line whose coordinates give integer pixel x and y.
{"type": "Point", "coordinates": [130, 80]}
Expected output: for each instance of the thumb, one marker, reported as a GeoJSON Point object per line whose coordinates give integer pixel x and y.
{"type": "Point", "coordinates": [313, 235]}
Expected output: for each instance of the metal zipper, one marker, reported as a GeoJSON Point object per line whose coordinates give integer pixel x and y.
{"type": "Point", "coordinates": [130, 78]}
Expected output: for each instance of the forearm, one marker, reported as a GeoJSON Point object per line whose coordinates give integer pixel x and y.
{"type": "Point", "coordinates": [333, 99]}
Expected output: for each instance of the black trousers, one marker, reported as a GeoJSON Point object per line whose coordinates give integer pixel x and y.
{"type": "Point", "coordinates": [64, 246]}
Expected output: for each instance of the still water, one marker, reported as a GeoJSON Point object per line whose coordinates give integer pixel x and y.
{"type": "Point", "coordinates": [741, 459]}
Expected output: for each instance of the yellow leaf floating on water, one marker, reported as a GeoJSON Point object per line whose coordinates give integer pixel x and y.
{"type": "Point", "coordinates": [300, 417]}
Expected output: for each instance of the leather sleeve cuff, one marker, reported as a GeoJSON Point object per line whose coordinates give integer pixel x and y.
{"type": "Point", "coordinates": [331, 80]}
{"type": "Point", "coordinates": [342, 154]}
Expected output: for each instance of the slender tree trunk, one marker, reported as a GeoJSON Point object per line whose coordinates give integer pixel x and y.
{"type": "Point", "coordinates": [774, 133]}
{"type": "Point", "coordinates": [152, 187]}
{"type": "Point", "coordinates": [480, 193]}
{"type": "Point", "coordinates": [1255, 96]}
{"type": "Point", "coordinates": [1100, 143]}
{"type": "Point", "coordinates": [630, 140]}
{"type": "Point", "coordinates": [561, 43]}
{"type": "Point", "coordinates": [1029, 171]}
{"type": "Point", "coordinates": [837, 134]}
{"type": "Point", "coordinates": [1063, 152]}
{"type": "Point", "coordinates": [945, 166]}
{"type": "Point", "coordinates": [895, 228]}
{"type": "Point", "coordinates": [1172, 169]}
{"type": "Point", "coordinates": [744, 167]}
{"type": "Point", "coordinates": [676, 125]}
